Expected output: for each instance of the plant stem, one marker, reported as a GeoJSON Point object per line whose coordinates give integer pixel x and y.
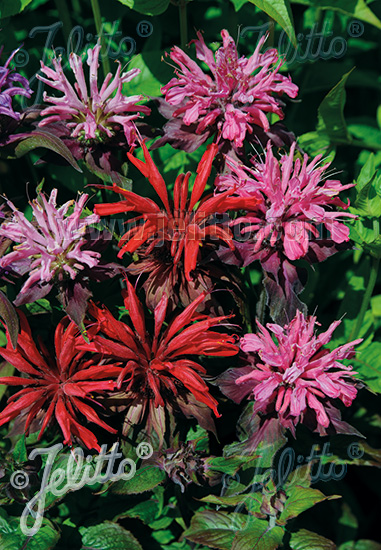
{"type": "Point", "coordinates": [98, 26]}
{"type": "Point", "coordinates": [366, 299]}
{"type": "Point", "coordinates": [183, 23]}
{"type": "Point", "coordinates": [64, 15]}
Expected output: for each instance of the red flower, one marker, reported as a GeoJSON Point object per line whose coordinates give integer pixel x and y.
{"type": "Point", "coordinates": [179, 230]}
{"type": "Point", "coordinates": [60, 387]}
{"type": "Point", "coordinates": [158, 374]}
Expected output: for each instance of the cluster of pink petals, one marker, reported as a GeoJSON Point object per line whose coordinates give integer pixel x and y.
{"type": "Point", "coordinates": [239, 95]}
{"type": "Point", "coordinates": [293, 201]}
{"type": "Point", "coordinates": [296, 375]}
{"type": "Point", "coordinates": [91, 114]}
{"type": "Point", "coordinates": [51, 244]}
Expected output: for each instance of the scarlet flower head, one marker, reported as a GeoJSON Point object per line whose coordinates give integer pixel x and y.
{"type": "Point", "coordinates": [91, 114]}
{"type": "Point", "coordinates": [294, 377]}
{"type": "Point", "coordinates": [234, 99]}
{"type": "Point", "coordinates": [57, 389]}
{"type": "Point", "coordinates": [158, 372]}
{"type": "Point", "coordinates": [185, 224]}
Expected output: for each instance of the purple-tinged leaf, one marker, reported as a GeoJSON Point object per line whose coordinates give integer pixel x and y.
{"type": "Point", "coordinates": [10, 318]}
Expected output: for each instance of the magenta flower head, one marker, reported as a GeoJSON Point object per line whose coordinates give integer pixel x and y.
{"type": "Point", "coordinates": [11, 84]}
{"type": "Point", "coordinates": [294, 377]}
{"type": "Point", "coordinates": [91, 115]}
{"type": "Point", "coordinates": [296, 217]}
{"type": "Point", "coordinates": [56, 248]}
{"type": "Point", "coordinates": [235, 99]}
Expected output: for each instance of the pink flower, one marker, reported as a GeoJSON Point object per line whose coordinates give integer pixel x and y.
{"type": "Point", "coordinates": [293, 199]}
{"type": "Point", "coordinates": [238, 95]}
{"type": "Point", "coordinates": [294, 375]}
{"type": "Point", "coordinates": [91, 114]}
{"type": "Point", "coordinates": [296, 205]}
{"type": "Point", "coordinates": [51, 247]}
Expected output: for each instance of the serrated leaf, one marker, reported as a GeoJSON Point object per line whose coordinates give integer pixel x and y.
{"type": "Point", "coordinates": [307, 540]}
{"type": "Point", "coordinates": [355, 8]}
{"type": "Point", "coordinates": [108, 536]}
{"type": "Point", "coordinates": [300, 499]}
{"type": "Point", "coordinates": [12, 538]}
{"type": "Point", "coordinates": [147, 7]}
{"type": "Point", "coordinates": [215, 529]}
{"type": "Point", "coordinates": [280, 11]}
{"type": "Point", "coordinates": [259, 536]}
{"type": "Point", "coordinates": [10, 318]}
{"type": "Point", "coordinates": [331, 112]}
{"type": "Point", "coordinates": [12, 7]}
{"type": "Point", "coordinates": [145, 479]}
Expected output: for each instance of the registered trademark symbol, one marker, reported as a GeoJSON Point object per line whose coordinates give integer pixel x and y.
{"type": "Point", "coordinates": [355, 29]}
{"type": "Point", "coordinates": [144, 450]}
{"type": "Point", "coordinates": [144, 28]}
{"type": "Point", "coordinates": [355, 451]}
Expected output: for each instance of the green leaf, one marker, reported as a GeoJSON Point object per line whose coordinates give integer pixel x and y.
{"type": "Point", "coordinates": [280, 11]}
{"type": "Point", "coordinates": [10, 318]}
{"type": "Point", "coordinates": [19, 451]}
{"type": "Point", "coordinates": [307, 540]}
{"type": "Point", "coordinates": [331, 112]}
{"type": "Point", "coordinates": [12, 538]}
{"type": "Point", "coordinates": [367, 173]}
{"type": "Point", "coordinates": [39, 306]}
{"type": "Point", "coordinates": [238, 4]}
{"type": "Point", "coordinates": [360, 545]}
{"type": "Point", "coordinates": [215, 529]}
{"type": "Point", "coordinates": [12, 7]}
{"type": "Point", "coordinates": [368, 366]}
{"type": "Point", "coordinates": [6, 370]}
{"type": "Point", "coordinates": [300, 499]}
{"type": "Point", "coordinates": [147, 7]}
{"type": "Point", "coordinates": [354, 8]}
{"type": "Point", "coordinates": [38, 138]}
{"type": "Point", "coordinates": [108, 536]}
{"type": "Point", "coordinates": [259, 536]}
{"type": "Point", "coordinates": [145, 511]}
{"type": "Point", "coordinates": [154, 74]}
{"type": "Point", "coordinates": [145, 479]}
{"type": "Point", "coordinates": [316, 143]}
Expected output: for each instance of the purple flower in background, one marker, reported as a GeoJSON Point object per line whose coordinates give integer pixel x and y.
{"type": "Point", "coordinates": [234, 101]}
{"type": "Point", "coordinates": [9, 88]}
{"type": "Point", "coordinates": [55, 248]}
{"type": "Point", "coordinates": [91, 114]}
{"type": "Point", "coordinates": [294, 377]}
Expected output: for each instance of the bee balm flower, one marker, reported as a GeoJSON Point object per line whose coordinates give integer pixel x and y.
{"type": "Point", "coordinates": [294, 377]}
{"type": "Point", "coordinates": [233, 101]}
{"type": "Point", "coordinates": [91, 114]}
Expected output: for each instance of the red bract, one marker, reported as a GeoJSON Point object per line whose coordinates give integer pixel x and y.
{"type": "Point", "coordinates": [184, 225]}
{"type": "Point", "coordinates": [179, 230]}
{"type": "Point", "coordinates": [158, 376]}
{"type": "Point", "coordinates": [59, 387]}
